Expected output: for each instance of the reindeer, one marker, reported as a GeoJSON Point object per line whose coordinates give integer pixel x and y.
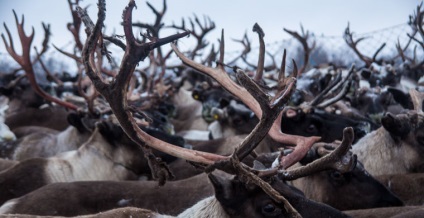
{"type": "Point", "coordinates": [108, 152]}
{"type": "Point", "coordinates": [330, 187]}
{"type": "Point", "coordinates": [44, 143]}
{"type": "Point", "coordinates": [396, 147]}
{"type": "Point", "coordinates": [233, 202]}
{"type": "Point", "coordinates": [410, 194]}
{"type": "Point", "coordinates": [230, 200]}
{"type": "Point", "coordinates": [312, 118]}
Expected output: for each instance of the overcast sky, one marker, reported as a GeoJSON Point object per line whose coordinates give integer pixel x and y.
{"type": "Point", "coordinates": [328, 17]}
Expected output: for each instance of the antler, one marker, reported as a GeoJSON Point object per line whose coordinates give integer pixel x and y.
{"type": "Point", "coordinates": [25, 61]}
{"type": "Point", "coordinates": [205, 28]}
{"type": "Point", "coordinates": [416, 22]}
{"type": "Point", "coordinates": [323, 99]}
{"type": "Point", "coordinates": [340, 159]}
{"type": "Point", "coordinates": [75, 26]}
{"type": "Point", "coordinates": [303, 39]}
{"type": "Point", "coordinates": [220, 75]}
{"type": "Point", "coordinates": [115, 92]}
{"type": "Point", "coordinates": [261, 59]}
{"type": "Point", "coordinates": [348, 36]}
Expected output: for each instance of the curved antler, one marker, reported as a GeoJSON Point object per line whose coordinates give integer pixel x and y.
{"type": "Point", "coordinates": [25, 61]}
{"type": "Point", "coordinates": [220, 75]}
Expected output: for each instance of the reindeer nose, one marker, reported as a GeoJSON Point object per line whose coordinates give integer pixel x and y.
{"type": "Point", "coordinates": [391, 201]}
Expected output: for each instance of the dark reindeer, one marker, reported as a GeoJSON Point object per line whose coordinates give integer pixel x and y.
{"type": "Point", "coordinates": [342, 190]}
{"type": "Point", "coordinates": [227, 201]}
{"type": "Point", "coordinates": [311, 118]}
{"type": "Point", "coordinates": [337, 189]}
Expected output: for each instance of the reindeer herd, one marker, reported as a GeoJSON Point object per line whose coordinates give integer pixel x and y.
{"type": "Point", "coordinates": [205, 137]}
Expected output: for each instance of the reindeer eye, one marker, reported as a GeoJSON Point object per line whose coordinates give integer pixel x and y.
{"type": "Point", "coordinates": [311, 128]}
{"type": "Point", "coordinates": [336, 175]}
{"type": "Point", "coordinates": [268, 208]}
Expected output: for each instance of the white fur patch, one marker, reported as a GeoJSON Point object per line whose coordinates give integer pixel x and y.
{"type": "Point", "coordinates": [209, 207]}
{"type": "Point", "coordinates": [5, 133]}
{"type": "Point", "coordinates": [195, 135]}
{"type": "Point", "coordinates": [8, 206]}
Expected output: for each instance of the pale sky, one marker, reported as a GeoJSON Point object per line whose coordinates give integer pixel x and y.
{"type": "Point", "coordinates": [328, 17]}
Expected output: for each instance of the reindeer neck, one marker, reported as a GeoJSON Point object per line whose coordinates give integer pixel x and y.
{"type": "Point", "coordinates": [92, 161]}
{"type": "Point", "coordinates": [71, 137]}
{"type": "Point", "coordinates": [208, 207]}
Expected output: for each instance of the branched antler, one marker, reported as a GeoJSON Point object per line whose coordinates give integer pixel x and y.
{"type": "Point", "coordinates": [75, 26]}
{"type": "Point", "coordinates": [348, 36]}
{"type": "Point", "coordinates": [205, 28]}
{"type": "Point", "coordinates": [325, 98]}
{"type": "Point", "coordinates": [270, 107]}
{"type": "Point", "coordinates": [340, 159]}
{"type": "Point", "coordinates": [303, 39]}
{"type": "Point", "coordinates": [220, 75]}
{"type": "Point", "coordinates": [115, 92]}
{"type": "Point", "coordinates": [25, 61]}
{"type": "Point", "coordinates": [246, 48]}
{"type": "Point", "coordinates": [416, 22]}
{"type": "Point", "coordinates": [155, 28]}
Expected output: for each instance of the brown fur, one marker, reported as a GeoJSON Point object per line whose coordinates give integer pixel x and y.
{"type": "Point", "coordinates": [79, 198]}
{"type": "Point", "coordinates": [189, 111]}
{"type": "Point", "coordinates": [97, 159]}
{"type": "Point", "coordinates": [116, 213]}
{"type": "Point", "coordinates": [51, 117]}
{"type": "Point", "coordinates": [343, 190]}
{"type": "Point", "coordinates": [404, 212]}
{"type": "Point", "coordinates": [49, 143]}
{"type": "Point", "coordinates": [5, 164]}
{"type": "Point", "coordinates": [408, 187]}
{"type": "Point", "coordinates": [395, 152]}
{"type": "Point", "coordinates": [27, 130]}
{"type": "Point", "coordinates": [235, 198]}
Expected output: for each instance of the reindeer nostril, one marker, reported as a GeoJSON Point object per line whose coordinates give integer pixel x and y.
{"type": "Point", "coordinates": [291, 113]}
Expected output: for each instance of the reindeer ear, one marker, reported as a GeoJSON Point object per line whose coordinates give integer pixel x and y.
{"type": "Point", "coordinates": [366, 74]}
{"type": "Point", "coordinates": [178, 82]}
{"type": "Point", "coordinates": [110, 131]}
{"type": "Point", "coordinates": [6, 91]}
{"type": "Point", "coordinates": [257, 165]}
{"type": "Point", "coordinates": [88, 123]}
{"type": "Point", "coordinates": [395, 125]}
{"type": "Point", "coordinates": [75, 121]}
{"type": "Point", "coordinates": [229, 192]}
{"type": "Point", "coordinates": [223, 187]}
{"type": "Point", "coordinates": [402, 98]}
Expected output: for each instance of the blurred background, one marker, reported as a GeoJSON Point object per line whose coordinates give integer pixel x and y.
{"type": "Point", "coordinates": [379, 21]}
